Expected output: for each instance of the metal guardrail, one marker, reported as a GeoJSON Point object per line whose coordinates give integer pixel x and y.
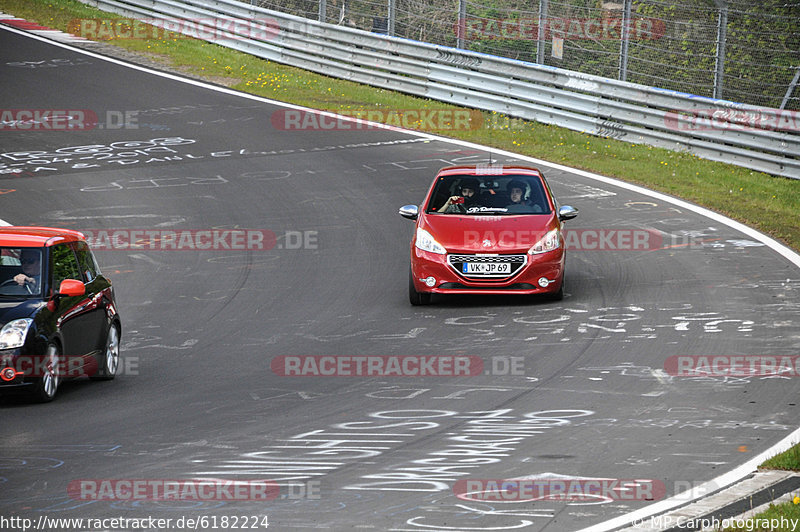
{"type": "Point", "coordinates": [763, 139]}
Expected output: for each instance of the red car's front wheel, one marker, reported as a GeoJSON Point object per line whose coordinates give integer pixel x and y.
{"type": "Point", "coordinates": [416, 298]}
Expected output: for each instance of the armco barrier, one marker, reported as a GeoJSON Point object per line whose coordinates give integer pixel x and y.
{"type": "Point", "coordinates": [762, 139]}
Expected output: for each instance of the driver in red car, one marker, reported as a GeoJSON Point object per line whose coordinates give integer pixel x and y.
{"type": "Point", "coordinates": [31, 260]}
{"type": "Point", "coordinates": [516, 194]}
{"type": "Point", "coordinates": [469, 189]}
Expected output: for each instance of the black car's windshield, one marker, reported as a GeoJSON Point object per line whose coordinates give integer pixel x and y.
{"type": "Point", "coordinates": [489, 195]}
{"type": "Point", "coordinates": [20, 272]}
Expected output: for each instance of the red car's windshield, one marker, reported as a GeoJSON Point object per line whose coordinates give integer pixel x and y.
{"type": "Point", "coordinates": [495, 195]}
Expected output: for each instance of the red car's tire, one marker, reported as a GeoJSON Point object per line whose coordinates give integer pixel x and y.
{"type": "Point", "coordinates": [556, 296]}
{"type": "Point", "coordinates": [416, 298]}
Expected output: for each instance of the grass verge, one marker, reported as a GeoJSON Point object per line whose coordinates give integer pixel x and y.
{"type": "Point", "coordinates": [768, 203]}
{"type": "Point", "coordinates": [788, 460]}
{"type": "Point", "coordinates": [771, 520]}
{"type": "Point", "coordinates": [776, 514]}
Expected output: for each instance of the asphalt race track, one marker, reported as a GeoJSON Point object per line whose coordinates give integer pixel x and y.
{"type": "Point", "coordinates": [198, 398]}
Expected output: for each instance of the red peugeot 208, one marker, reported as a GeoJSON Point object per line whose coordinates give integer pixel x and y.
{"type": "Point", "coordinates": [487, 229]}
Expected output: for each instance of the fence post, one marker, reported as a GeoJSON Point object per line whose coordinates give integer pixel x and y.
{"type": "Point", "coordinates": [461, 28]}
{"type": "Point", "coordinates": [541, 33]}
{"type": "Point", "coordinates": [623, 45]}
{"type": "Point", "coordinates": [323, 11]}
{"type": "Point", "coordinates": [722, 35]}
{"type": "Point", "coordinates": [391, 17]}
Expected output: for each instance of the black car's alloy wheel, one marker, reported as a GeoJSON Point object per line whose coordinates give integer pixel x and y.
{"type": "Point", "coordinates": [46, 386]}
{"type": "Point", "coordinates": [109, 362]}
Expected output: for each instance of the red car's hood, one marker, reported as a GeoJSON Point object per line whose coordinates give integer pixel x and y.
{"type": "Point", "coordinates": [488, 234]}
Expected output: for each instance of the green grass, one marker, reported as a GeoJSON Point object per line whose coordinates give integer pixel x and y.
{"type": "Point", "coordinates": [787, 510]}
{"type": "Point", "coordinates": [788, 460]}
{"type": "Point", "coordinates": [768, 203]}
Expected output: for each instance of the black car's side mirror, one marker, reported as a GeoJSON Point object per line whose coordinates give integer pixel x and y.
{"type": "Point", "coordinates": [409, 211]}
{"type": "Point", "coordinates": [71, 287]}
{"type": "Point", "coordinates": [67, 288]}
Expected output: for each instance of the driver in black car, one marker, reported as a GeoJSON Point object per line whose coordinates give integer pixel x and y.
{"type": "Point", "coordinates": [469, 190]}
{"type": "Point", "coordinates": [31, 269]}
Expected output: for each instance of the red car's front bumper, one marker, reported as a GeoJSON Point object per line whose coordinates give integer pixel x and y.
{"type": "Point", "coordinates": [446, 279]}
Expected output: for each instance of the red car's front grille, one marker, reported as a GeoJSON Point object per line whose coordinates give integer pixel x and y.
{"type": "Point", "coordinates": [458, 261]}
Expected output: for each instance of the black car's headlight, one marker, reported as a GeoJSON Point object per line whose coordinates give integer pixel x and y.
{"type": "Point", "coordinates": [13, 333]}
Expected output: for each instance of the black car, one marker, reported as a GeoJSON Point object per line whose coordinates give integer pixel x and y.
{"type": "Point", "coordinates": [58, 317]}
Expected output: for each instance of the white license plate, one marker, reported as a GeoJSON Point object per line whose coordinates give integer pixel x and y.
{"type": "Point", "coordinates": [486, 268]}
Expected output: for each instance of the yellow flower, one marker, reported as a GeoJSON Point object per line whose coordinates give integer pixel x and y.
{"type": "Point", "coordinates": [796, 499]}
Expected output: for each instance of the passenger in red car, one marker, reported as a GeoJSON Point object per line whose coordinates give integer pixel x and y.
{"type": "Point", "coordinates": [468, 198]}
{"type": "Point", "coordinates": [516, 193]}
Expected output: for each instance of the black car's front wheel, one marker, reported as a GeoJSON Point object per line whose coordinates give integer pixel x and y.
{"type": "Point", "coordinates": [109, 363]}
{"type": "Point", "coordinates": [416, 298]}
{"type": "Point", "coordinates": [45, 386]}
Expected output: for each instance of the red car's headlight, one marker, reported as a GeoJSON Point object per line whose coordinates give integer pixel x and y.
{"type": "Point", "coordinates": [549, 242]}
{"type": "Point", "coordinates": [426, 242]}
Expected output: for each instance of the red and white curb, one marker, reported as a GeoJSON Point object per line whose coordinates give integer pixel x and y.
{"type": "Point", "coordinates": [44, 31]}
